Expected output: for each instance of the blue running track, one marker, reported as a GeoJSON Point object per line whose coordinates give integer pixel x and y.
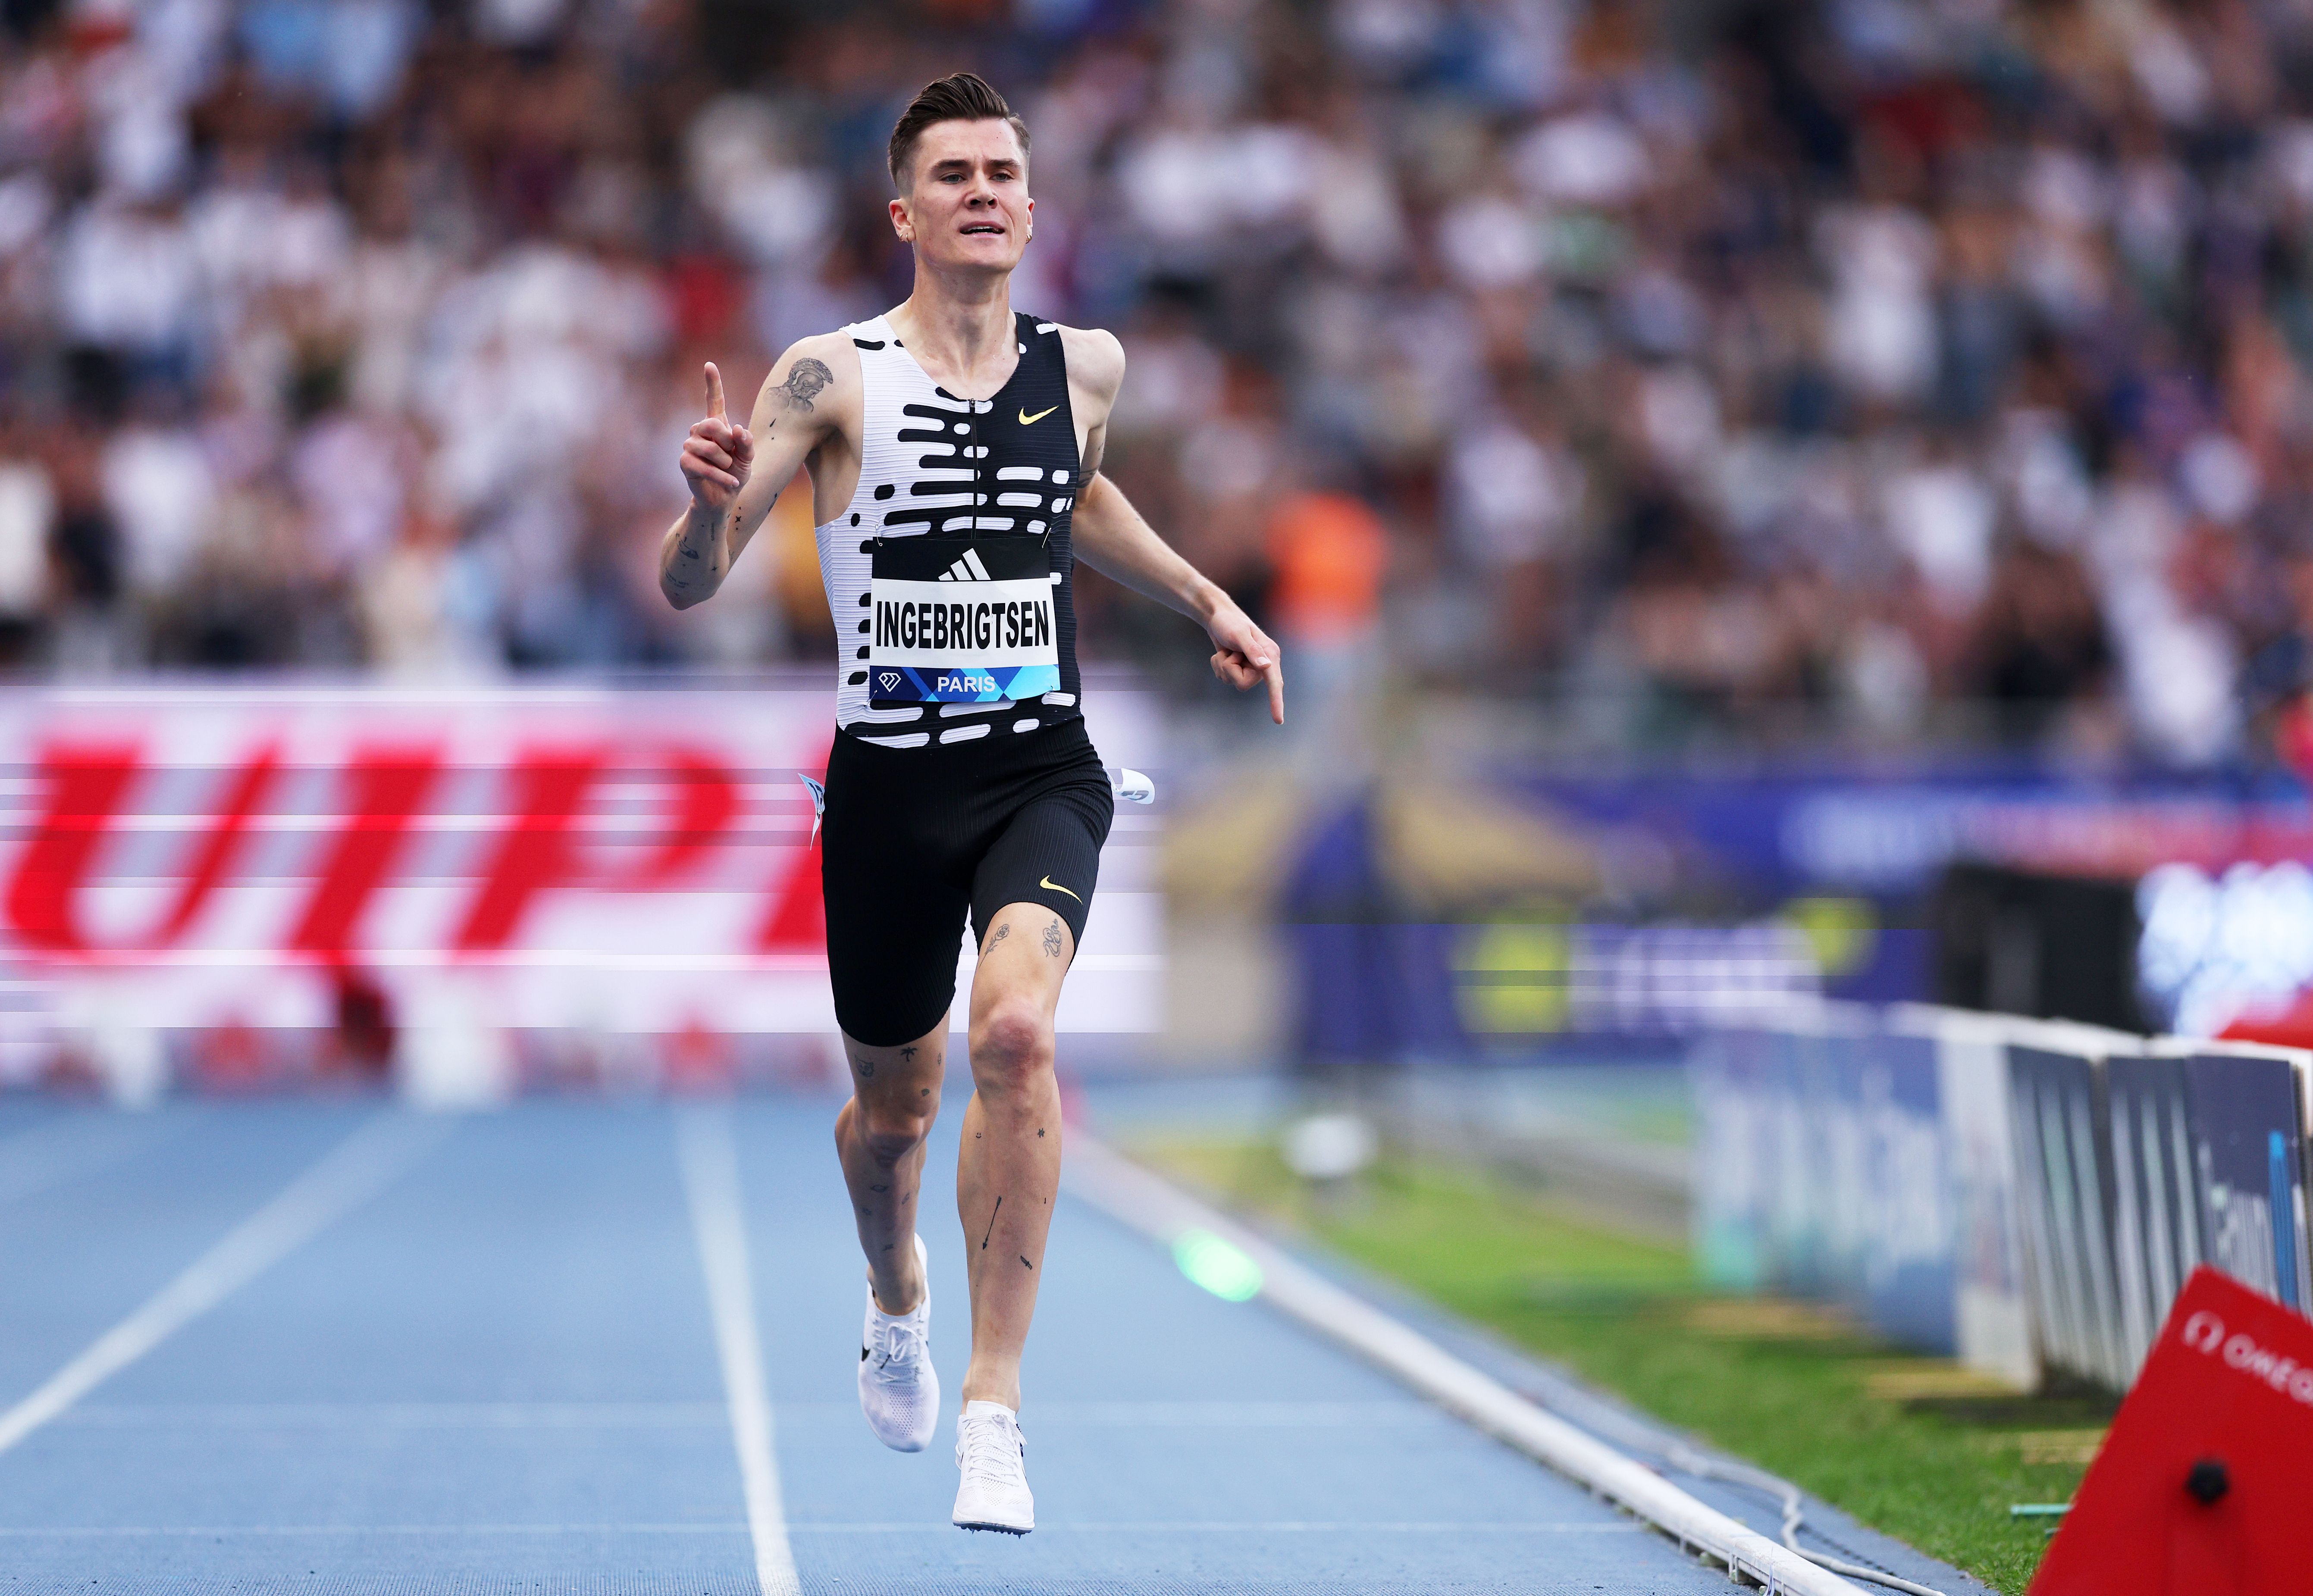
{"type": "Point", "coordinates": [495, 1369]}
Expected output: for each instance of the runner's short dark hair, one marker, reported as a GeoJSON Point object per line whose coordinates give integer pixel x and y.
{"type": "Point", "coordinates": [959, 97]}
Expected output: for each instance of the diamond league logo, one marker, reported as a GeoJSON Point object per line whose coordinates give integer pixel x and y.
{"type": "Point", "coordinates": [888, 679]}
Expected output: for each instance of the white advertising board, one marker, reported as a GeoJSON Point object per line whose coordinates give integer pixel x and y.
{"type": "Point", "coordinates": [624, 859]}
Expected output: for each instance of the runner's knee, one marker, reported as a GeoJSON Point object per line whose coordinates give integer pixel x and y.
{"type": "Point", "coordinates": [890, 1132]}
{"type": "Point", "coordinates": [1011, 1045]}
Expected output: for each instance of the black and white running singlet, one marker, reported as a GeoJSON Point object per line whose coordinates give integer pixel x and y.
{"type": "Point", "coordinates": [948, 573]}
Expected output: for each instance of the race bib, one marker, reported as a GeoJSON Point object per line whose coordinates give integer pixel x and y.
{"type": "Point", "coordinates": [961, 620]}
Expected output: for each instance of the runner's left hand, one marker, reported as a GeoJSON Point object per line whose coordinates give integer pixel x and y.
{"type": "Point", "coordinates": [1244, 656]}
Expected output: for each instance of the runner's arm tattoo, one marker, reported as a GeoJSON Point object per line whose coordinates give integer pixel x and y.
{"type": "Point", "coordinates": [696, 551]}
{"type": "Point", "coordinates": [805, 379]}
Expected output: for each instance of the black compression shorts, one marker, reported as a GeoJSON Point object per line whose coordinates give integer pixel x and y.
{"type": "Point", "coordinates": [915, 837]}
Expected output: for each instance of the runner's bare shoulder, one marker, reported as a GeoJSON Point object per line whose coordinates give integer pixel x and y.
{"type": "Point", "coordinates": [1096, 361]}
{"type": "Point", "coordinates": [815, 385]}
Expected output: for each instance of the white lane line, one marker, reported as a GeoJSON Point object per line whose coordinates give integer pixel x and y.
{"type": "Point", "coordinates": [355, 1170]}
{"type": "Point", "coordinates": [905, 1527]}
{"type": "Point", "coordinates": [711, 1175]}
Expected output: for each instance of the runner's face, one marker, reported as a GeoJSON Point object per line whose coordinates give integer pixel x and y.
{"type": "Point", "coordinates": [967, 205]}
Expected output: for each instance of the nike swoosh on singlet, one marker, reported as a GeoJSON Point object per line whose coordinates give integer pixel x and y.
{"type": "Point", "coordinates": [1049, 881]}
{"type": "Point", "coordinates": [1028, 420]}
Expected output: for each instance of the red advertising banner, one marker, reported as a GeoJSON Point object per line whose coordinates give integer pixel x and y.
{"type": "Point", "coordinates": [2199, 1485]}
{"type": "Point", "coordinates": [549, 857]}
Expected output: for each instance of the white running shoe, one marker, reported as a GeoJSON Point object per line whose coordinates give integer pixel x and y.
{"type": "Point", "coordinates": [899, 1390]}
{"type": "Point", "coordinates": [994, 1458]}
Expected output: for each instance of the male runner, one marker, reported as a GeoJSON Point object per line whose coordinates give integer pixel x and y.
{"type": "Point", "coordinates": [954, 452]}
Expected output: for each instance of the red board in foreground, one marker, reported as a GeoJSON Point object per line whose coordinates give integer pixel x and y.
{"type": "Point", "coordinates": [2205, 1485]}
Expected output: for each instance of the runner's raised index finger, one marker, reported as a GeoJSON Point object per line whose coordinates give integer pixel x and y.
{"type": "Point", "coordinates": [1276, 674]}
{"type": "Point", "coordinates": [715, 393]}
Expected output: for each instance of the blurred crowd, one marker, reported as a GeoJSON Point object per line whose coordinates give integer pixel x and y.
{"type": "Point", "coordinates": [1899, 363]}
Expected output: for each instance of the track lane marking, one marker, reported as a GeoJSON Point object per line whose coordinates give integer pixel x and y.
{"type": "Point", "coordinates": [710, 1177]}
{"type": "Point", "coordinates": [346, 1175]}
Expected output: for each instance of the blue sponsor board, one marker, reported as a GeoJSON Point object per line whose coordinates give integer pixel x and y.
{"type": "Point", "coordinates": [2063, 1145]}
{"type": "Point", "coordinates": [2247, 1141]}
{"type": "Point", "coordinates": [1819, 1195]}
{"type": "Point", "coordinates": [1737, 1153]}
{"type": "Point", "coordinates": [2156, 1213]}
{"type": "Point", "coordinates": [1869, 839]}
{"type": "Point", "coordinates": [1911, 1229]}
{"type": "Point", "coordinates": [2014, 1193]}
{"type": "Point", "coordinates": [1822, 1169]}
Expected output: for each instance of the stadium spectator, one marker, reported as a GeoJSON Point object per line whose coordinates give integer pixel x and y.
{"type": "Point", "coordinates": [1875, 357]}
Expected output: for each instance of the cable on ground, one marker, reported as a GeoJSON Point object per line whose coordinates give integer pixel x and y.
{"type": "Point", "coordinates": [1633, 1436]}
{"type": "Point", "coordinates": [1687, 1460]}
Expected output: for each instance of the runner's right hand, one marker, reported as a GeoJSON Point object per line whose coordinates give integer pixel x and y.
{"type": "Point", "coordinates": [718, 454]}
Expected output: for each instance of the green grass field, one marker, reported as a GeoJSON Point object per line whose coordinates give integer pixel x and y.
{"type": "Point", "coordinates": [1909, 1445]}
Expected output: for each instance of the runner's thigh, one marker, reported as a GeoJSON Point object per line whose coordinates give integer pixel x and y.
{"type": "Point", "coordinates": [897, 888]}
{"type": "Point", "coordinates": [1049, 854]}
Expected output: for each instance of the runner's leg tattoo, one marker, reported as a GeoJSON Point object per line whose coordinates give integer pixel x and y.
{"type": "Point", "coordinates": [879, 1139]}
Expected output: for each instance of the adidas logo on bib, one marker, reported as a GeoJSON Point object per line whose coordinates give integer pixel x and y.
{"type": "Point", "coordinates": [953, 622]}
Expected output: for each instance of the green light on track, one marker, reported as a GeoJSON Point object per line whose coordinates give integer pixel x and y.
{"type": "Point", "coordinates": [1220, 1266]}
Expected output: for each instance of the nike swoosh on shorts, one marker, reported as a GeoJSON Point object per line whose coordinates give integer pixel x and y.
{"type": "Point", "coordinates": [1055, 886]}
